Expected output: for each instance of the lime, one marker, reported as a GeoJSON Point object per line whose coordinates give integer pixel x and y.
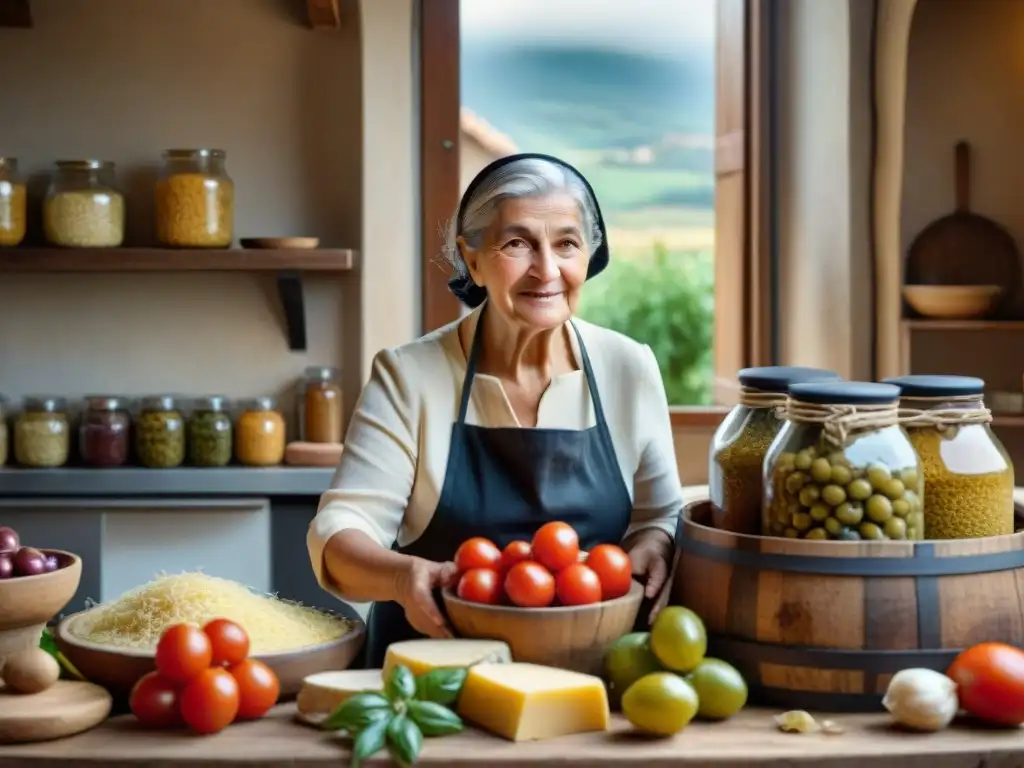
{"type": "Point", "coordinates": [678, 638]}
{"type": "Point", "coordinates": [628, 659]}
{"type": "Point", "coordinates": [721, 688]}
{"type": "Point", "coordinates": [661, 703]}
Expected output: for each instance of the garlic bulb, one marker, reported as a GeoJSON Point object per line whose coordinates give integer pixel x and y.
{"type": "Point", "coordinates": [921, 699]}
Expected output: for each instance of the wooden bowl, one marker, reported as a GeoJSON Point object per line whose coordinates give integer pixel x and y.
{"type": "Point", "coordinates": [117, 669]}
{"type": "Point", "coordinates": [571, 637]}
{"type": "Point", "coordinates": [283, 243]}
{"type": "Point", "coordinates": [953, 302]}
{"type": "Point", "coordinates": [31, 601]}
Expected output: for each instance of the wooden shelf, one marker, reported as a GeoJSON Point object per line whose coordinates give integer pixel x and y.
{"type": "Point", "coordinates": [1007, 420]}
{"type": "Point", "coordinates": [923, 324]}
{"type": "Point", "coordinates": [322, 14]}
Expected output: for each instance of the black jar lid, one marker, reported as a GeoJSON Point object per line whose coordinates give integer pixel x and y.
{"type": "Point", "coordinates": [845, 393]}
{"type": "Point", "coordinates": [778, 378]}
{"type": "Point", "coordinates": [158, 404]}
{"type": "Point", "coordinates": [938, 386]}
{"type": "Point", "coordinates": [106, 403]}
{"type": "Point", "coordinates": [211, 404]}
{"type": "Point", "coordinates": [45, 404]}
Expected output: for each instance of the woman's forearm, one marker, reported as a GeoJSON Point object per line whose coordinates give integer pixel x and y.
{"type": "Point", "coordinates": [363, 570]}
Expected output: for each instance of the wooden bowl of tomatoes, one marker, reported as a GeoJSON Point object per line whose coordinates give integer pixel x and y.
{"type": "Point", "coordinates": [551, 602]}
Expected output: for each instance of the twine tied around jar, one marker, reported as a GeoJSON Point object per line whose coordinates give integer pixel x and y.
{"type": "Point", "coordinates": [838, 422]}
{"type": "Point", "coordinates": [973, 412]}
{"type": "Point", "coordinates": [752, 397]}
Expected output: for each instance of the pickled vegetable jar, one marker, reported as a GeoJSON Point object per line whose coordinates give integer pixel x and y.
{"type": "Point", "coordinates": [260, 434]}
{"type": "Point", "coordinates": [320, 403]}
{"type": "Point", "coordinates": [842, 467]}
{"type": "Point", "coordinates": [41, 433]}
{"type": "Point", "coordinates": [210, 433]}
{"type": "Point", "coordinates": [195, 200]}
{"type": "Point", "coordinates": [13, 203]}
{"type": "Point", "coordinates": [968, 476]}
{"type": "Point", "coordinates": [742, 440]}
{"type": "Point", "coordinates": [104, 433]}
{"type": "Point", "coordinates": [83, 207]}
{"type": "Point", "coordinates": [160, 433]}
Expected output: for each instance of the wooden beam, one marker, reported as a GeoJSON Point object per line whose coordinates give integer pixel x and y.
{"type": "Point", "coordinates": [15, 13]}
{"type": "Point", "coordinates": [324, 14]}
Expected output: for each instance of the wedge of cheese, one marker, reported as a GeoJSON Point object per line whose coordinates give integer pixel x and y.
{"type": "Point", "coordinates": [525, 702]}
{"type": "Point", "coordinates": [424, 655]}
{"type": "Point", "coordinates": [324, 692]}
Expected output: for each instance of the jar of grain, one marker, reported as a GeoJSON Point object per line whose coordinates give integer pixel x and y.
{"type": "Point", "coordinates": [260, 434]}
{"type": "Point", "coordinates": [41, 433]}
{"type": "Point", "coordinates": [3, 433]}
{"type": "Point", "coordinates": [13, 203]}
{"type": "Point", "coordinates": [103, 435]}
{"type": "Point", "coordinates": [195, 200]}
{"type": "Point", "coordinates": [83, 207]}
{"type": "Point", "coordinates": [319, 405]}
{"type": "Point", "coordinates": [160, 433]}
{"type": "Point", "coordinates": [210, 433]}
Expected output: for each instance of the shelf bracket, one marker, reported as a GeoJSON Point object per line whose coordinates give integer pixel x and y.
{"type": "Point", "coordinates": [15, 13]}
{"type": "Point", "coordinates": [293, 302]}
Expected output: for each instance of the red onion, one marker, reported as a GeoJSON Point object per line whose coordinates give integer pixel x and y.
{"type": "Point", "coordinates": [6, 566]}
{"type": "Point", "coordinates": [29, 562]}
{"type": "Point", "coordinates": [9, 541]}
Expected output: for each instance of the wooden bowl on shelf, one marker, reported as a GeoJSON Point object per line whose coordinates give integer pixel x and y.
{"type": "Point", "coordinates": [953, 302]}
{"type": "Point", "coordinates": [571, 637]}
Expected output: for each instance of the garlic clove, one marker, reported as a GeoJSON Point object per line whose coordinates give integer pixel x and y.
{"type": "Point", "coordinates": [921, 699]}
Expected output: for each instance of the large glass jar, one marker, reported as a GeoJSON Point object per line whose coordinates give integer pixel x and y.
{"type": "Point", "coordinates": [41, 433]}
{"type": "Point", "coordinates": [260, 434]}
{"type": "Point", "coordinates": [968, 476]}
{"type": "Point", "coordinates": [3, 433]}
{"type": "Point", "coordinates": [739, 446]}
{"type": "Point", "coordinates": [104, 432]}
{"type": "Point", "coordinates": [320, 405]}
{"type": "Point", "coordinates": [210, 433]}
{"type": "Point", "coordinates": [83, 207]}
{"type": "Point", "coordinates": [195, 200]}
{"type": "Point", "coordinates": [842, 467]}
{"type": "Point", "coordinates": [13, 203]}
{"type": "Point", "coordinates": [160, 433]}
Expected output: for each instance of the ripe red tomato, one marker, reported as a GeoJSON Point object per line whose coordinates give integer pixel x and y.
{"type": "Point", "coordinates": [477, 553]}
{"type": "Point", "coordinates": [229, 641]}
{"type": "Point", "coordinates": [515, 552]}
{"type": "Point", "coordinates": [990, 682]}
{"type": "Point", "coordinates": [556, 546]}
{"type": "Point", "coordinates": [258, 688]}
{"type": "Point", "coordinates": [530, 585]}
{"type": "Point", "coordinates": [209, 703]}
{"type": "Point", "coordinates": [183, 652]}
{"type": "Point", "coordinates": [480, 585]}
{"type": "Point", "coordinates": [154, 701]}
{"type": "Point", "coordinates": [613, 568]}
{"type": "Point", "coordinates": [577, 585]}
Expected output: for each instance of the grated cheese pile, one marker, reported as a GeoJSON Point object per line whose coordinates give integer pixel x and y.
{"type": "Point", "coordinates": [138, 618]}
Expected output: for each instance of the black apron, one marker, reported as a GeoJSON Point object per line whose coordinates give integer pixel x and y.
{"type": "Point", "coordinates": [504, 483]}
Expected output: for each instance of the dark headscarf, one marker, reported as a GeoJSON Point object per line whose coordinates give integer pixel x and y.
{"type": "Point", "coordinates": [462, 285]}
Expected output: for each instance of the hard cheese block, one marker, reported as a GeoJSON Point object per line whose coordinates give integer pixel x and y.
{"type": "Point", "coordinates": [524, 702]}
{"type": "Point", "coordinates": [424, 655]}
{"type": "Point", "coordinates": [324, 692]}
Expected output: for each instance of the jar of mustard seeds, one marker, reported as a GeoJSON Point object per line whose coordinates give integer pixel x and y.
{"type": "Point", "coordinates": [42, 433]}
{"type": "Point", "coordinates": [260, 434]}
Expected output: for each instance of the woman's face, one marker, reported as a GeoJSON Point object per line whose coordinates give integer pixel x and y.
{"type": "Point", "coordinates": [533, 260]}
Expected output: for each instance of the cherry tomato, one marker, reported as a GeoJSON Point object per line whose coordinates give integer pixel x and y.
{"type": "Point", "coordinates": [990, 682]}
{"type": "Point", "coordinates": [477, 553]}
{"type": "Point", "coordinates": [154, 701]}
{"type": "Point", "coordinates": [209, 703]}
{"type": "Point", "coordinates": [556, 546]}
{"type": "Point", "coordinates": [229, 641]}
{"type": "Point", "coordinates": [258, 688]}
{"type": "Point", "coordinates": [530, 585]}
{"type": "Point", "coordinates": [613, 568]}
{"type": "Point", "coordinates": [480, 585]}
{"type": "Point", "coordinates": [577, 585]}
{"type": "Point", "coordinates": [183, 652]}
{"type": "Point", "coordinates": [515, 552]}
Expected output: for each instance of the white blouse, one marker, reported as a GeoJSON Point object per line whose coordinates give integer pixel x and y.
{"type": "Point", "coordinates": [392, 469]}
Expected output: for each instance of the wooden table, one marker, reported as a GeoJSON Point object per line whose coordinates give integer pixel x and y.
{"type": "Point", "coordinates": [750, 739]}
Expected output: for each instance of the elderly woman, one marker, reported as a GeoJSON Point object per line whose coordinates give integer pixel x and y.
{"type": "Point", "coordinates": [512, 417]}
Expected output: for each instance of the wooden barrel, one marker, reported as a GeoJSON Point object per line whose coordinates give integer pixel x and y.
{"type": "Point", "coordinates": [823, 625]}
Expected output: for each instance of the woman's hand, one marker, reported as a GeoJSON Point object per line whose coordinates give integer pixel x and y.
{"type": "Point", "coordinates": [414, 587]}
{"type": "Point", "coordinates": [651, 552]}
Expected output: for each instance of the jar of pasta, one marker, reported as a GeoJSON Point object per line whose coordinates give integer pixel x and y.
{"type": "Point", "coordinates": [3, 432]}
{"type": "Point", "coordinates": [41, 433]}
{"type": "Point", "coordinates": [104, 432]}
{"type": "Point", "coordinates": [160, 433]}
{"type": "Point", "coordinates": [83, 207]}
{"type": "Point", "coordinates": [195, 200]}
{"type": "Point", "coordinates": [320, 405]}
{"type": "Point", "coordinates": [968, 476]}
{"type": "Point", "coordinates": [13, 203]}
{"type": "Point", "coordinates": [210, 433]}
{"type": "Point", "coordinates": [260, 434]}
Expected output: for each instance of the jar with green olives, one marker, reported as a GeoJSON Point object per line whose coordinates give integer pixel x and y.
{"type": "Point", "coordinates": [42, 434]}
{"type": "Point", "coordinates": [160, 433]}
{"type": "Point", "coordinates": [742, 440]}
{"type": "Point", "coordinates": [842, 467]}
{"type": "Point", "coordinates": [210, 433]}
{"type": "Point", "coordinates": [968, 476]}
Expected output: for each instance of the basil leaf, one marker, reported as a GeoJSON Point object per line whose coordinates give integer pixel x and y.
{"type": "Point", "coordinates": [401, 684]}
{"type": "Point", "coordinates": [370, 740]}
{"type": "Point", "coordinates": [405, 740]}
{"type": "Point", "coordinates": [434, 719]}
{"type": "Point", "coordinates": [441, 686]}
{"type": "Point", "coordinates": [358, 711]}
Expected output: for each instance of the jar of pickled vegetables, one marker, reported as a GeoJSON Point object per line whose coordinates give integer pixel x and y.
{"type": "Point", "coordinates": [3, 432]}
{"type": "Point", "coordinates": [320, 405]}
{"type": "Point", "coordinates": [41, 433]}
{"type": "Point", "coordinates": [842, 467]}
{"type": "Point", "coordinates": [13, 203]}
{"type": "Point", "coordinates": [210, 440]}
{"type": "Point", "coordinates": [83, 207]}
{"type": "Point", "coordinates": [260, 434]}
{"type": "Point", "coordinates": [968, 476]}
{"type": "Point", "coordinates": [160, 433]}
{"type": "Point", "coordinates": [195, 200]}
{"type": "Point", "coordinates": [742, 440]}
{"type": "Point", "coordinates": [104, 432]}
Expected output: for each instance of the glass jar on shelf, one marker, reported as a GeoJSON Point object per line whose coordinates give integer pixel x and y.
{"type": "Point", "coordinates": [210, 441]}
{"type": "Point", "coordinates": [320, 402]}
{"type": "Point", "coordinates": [104, 433]}
{"type": "Point", "coordinates": [4, 437]}
{"type": "Point", "coordinates": [740, 443]}
{"type": "Point", "coordinates": [260, 434]}
{"type": "Point", "coordinates": [160, 433]}
{"type": "Point", "coordinates": [968, 475]}
{"type": "Point", "coordinates": [842, 467]}
{"type": "Point", "coordinates": [41, 433]}
{"type": "Point", "coordinates": [13, 203]}
{"type": "Point", "coordinates": [195, 200]}
{"type": "Point", "coordinates": [83, 207]}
